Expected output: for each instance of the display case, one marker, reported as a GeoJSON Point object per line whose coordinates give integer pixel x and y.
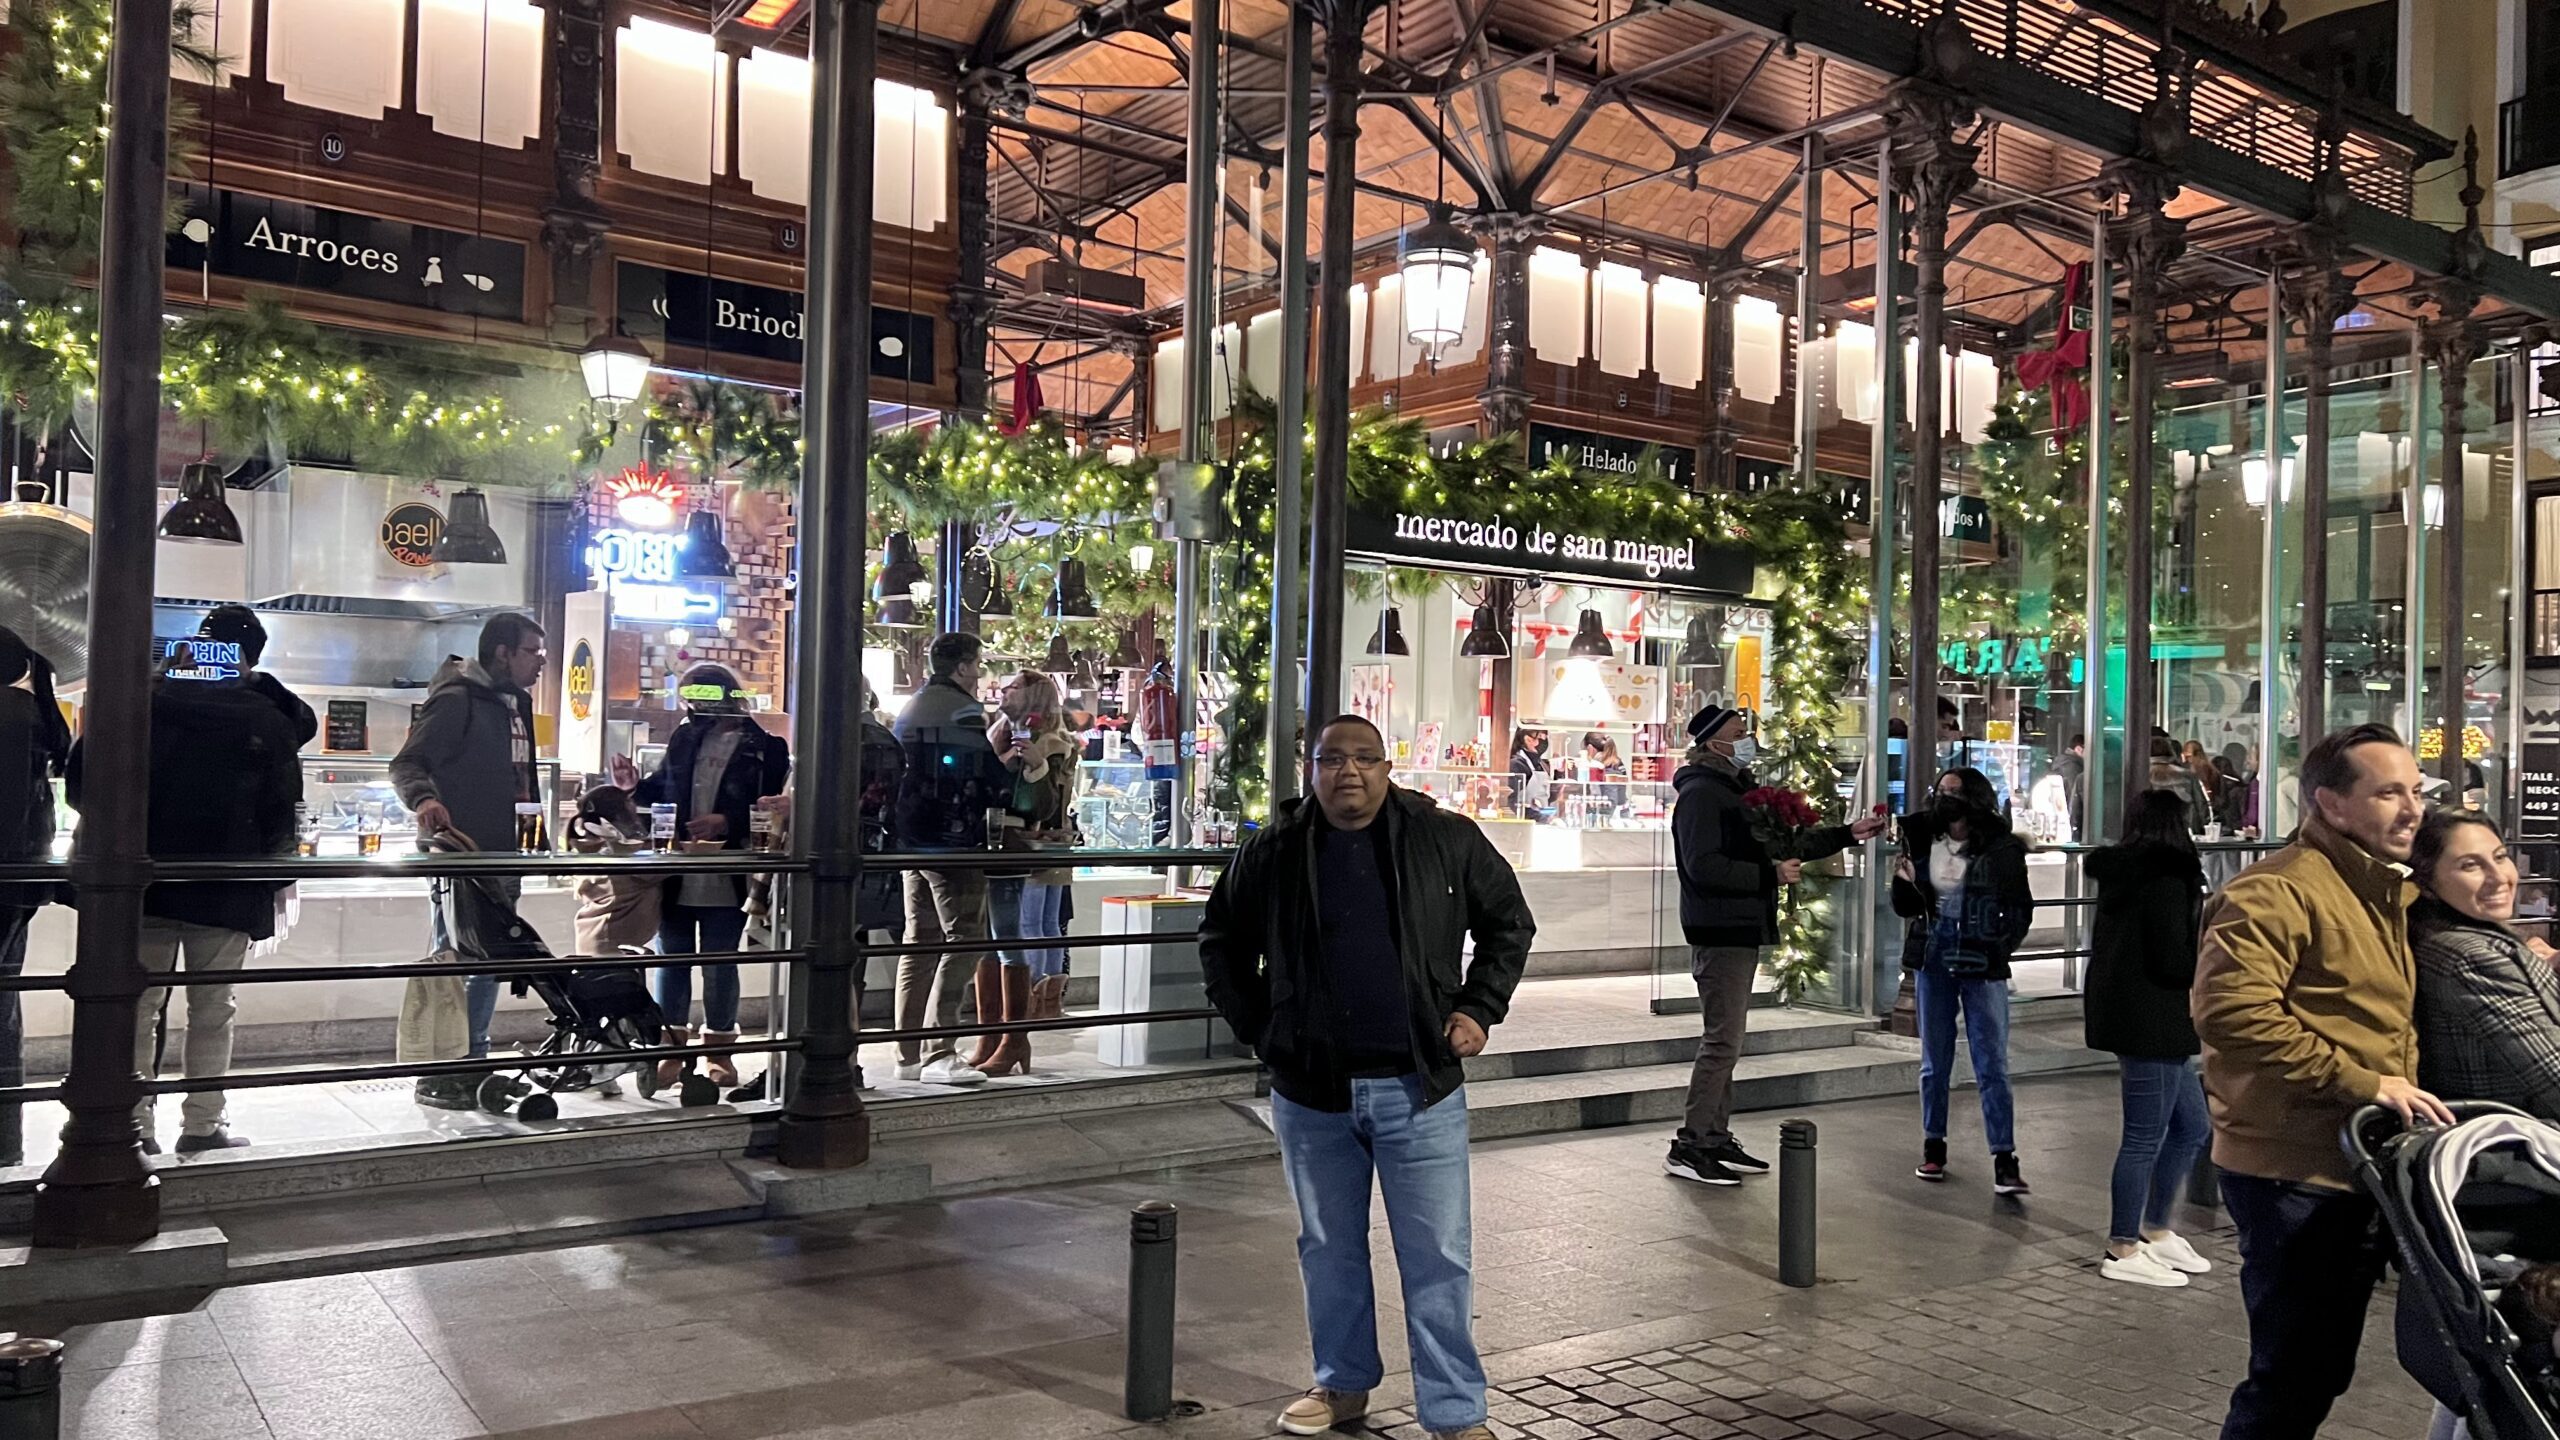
{"type": "Point", "coordinates": [350, 807]}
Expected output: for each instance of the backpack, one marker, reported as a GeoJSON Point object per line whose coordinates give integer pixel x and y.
{"type": "Point", "coordinates": [225, 771]}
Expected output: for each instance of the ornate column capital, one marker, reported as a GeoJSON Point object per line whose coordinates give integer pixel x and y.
{"type": "Point", "coordinates": [1499, 229]}
{"type": "Point", "coordinates": [1930, 165]}
{"type": "Point", "coordinates": [992, 92]}
{"type": "Point", "coordinates": [2315, 294]}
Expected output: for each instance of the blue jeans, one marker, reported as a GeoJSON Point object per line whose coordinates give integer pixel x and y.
{"type": "Point", "coordinates": [1420, 1159]}
{"type": "Point", "coordinates": [1986, 1031]}
{"type": "Point", "coordinates": [2309, 1259]}
{"type": "Point", "coordinates": [2164, 1127]}
{"type": "Point", "coordinates": [1024, 909]}
{"type": "Point", "coordinates": [697, 930]}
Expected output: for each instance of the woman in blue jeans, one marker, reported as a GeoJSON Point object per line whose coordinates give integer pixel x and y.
{"type": "Point", "coordinates": [2150, 888]}
{"type": "Point", "coordinates": [1961, 886]}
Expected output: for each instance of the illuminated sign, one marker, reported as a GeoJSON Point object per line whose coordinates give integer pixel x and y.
{"type": "Point", "coordinates": [581, 689]}
{"type": "Point", "coordinates": [645, 556]}
{"type": "Point", "coordinates": [642, 575]}
{"type": "Point", "coordinates": [645, 499]}
{"type": "Point", "coordinates": [2475, 742]}
{"type": "Point", "coordinates": [410, 532]}
{"type": "Point", "coordinates": [202, 660]}
{"type": "Point", "coordinates": [674, 604]}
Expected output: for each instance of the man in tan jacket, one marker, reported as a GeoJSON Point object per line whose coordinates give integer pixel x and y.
{"type": "Point", "coordinates": [2302, 996]}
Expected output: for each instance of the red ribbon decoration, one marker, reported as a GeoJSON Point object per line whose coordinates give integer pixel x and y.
{"type": "Point", "coordinates": [1028, 402]}
{"type": "Point", "coordinates": [2059, 369]}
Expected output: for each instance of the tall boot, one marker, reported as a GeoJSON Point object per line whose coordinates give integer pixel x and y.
{"type": "Point", "coordinates": [990, 1007]}
{"type": "Point", "coordinates": [1013, 1053]}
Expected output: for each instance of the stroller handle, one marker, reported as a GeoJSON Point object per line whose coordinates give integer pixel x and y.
{"type": "Point", "coordinates": [2373, 1126]}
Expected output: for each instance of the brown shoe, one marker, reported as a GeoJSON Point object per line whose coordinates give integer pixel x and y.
{"type": "Point", "coordinates": [1320, 1410]}
{"type": "Point", "coordinates": [1012, 1053]}
{"type": "Point", "coordinates": [722, 1070]}
{"type": "Point", "coordinates": [989, 987]}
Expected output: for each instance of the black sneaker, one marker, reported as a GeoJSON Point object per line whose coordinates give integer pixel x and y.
{"type": "Point", "coordinates": [2005, 1179]}
{"type": "Point", "coordinates": [1732, 1156]}
{"type": "Point", "coordinates": [1933, 1161]}
{"type": "Point", "coordinates": [220, 1139]}
{"type": "Point", "coordinates": [448, 1092]}
{"type": "Point", "coordinates": [1691, 1162]}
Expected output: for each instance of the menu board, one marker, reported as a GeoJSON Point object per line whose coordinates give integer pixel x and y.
{"type": "Point", "coordinates": [348, 729]}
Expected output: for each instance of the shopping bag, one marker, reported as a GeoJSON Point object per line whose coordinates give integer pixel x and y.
{"type": "Point", "coordinates": [435, 1020]}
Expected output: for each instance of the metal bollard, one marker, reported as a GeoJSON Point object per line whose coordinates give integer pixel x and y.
{"type": "Point", "coordinates": [2204, 1183]}
{"type": "Point", "coordinates": [1147, 1390]}
{"type": "Point", "coordinates": [1795, 1203]}
{"type": "Point", "coordinates": [30, 1388]}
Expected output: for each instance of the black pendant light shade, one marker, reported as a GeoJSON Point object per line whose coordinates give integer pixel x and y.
{"type": "Point", "coordinates": [1058, 661]}
{"type": "Point", "coordinates": [201, 515]}
{"type": "Point", "coordinates": [706, 550]}
{"type": "Point", "coordinates": [1070, 598]}
{"type": "Point", "coordinates": [1485, 640]}
{"type": "Point", "coordinates": [469, 538]}
{"type": "Point", "coordinates": [982, 585]}
{"type": "Point", "coordinates": [1700, 644]}
{"type": "Point", "coordinates": [894, 591]}
{"type": "Point", "coordinates": [1390, 637]}
{"type": "Point", "coordinates": [1590, 642]}
{"type": "Point", "coordinates": [1124, 655]}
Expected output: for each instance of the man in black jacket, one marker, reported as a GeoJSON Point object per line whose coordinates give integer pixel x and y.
{"type": "Point", "coordinates": [1728, 911]}
{"type": "Point", "coordinates": [953, 777]}
{"type": "Point", "coordinates": [1335, 945]}
{"type": "Point", "coordinates": [225, 779]}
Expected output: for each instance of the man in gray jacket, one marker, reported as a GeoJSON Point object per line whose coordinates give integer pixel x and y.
{"type": "Point", "coordinates": [467, 765]}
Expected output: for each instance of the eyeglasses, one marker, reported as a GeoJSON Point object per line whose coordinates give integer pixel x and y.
{"type": "Point", "coordinates": [1337, 763]}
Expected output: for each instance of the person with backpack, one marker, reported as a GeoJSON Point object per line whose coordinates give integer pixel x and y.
{"type": "Point", "coordinates": [226, 777]}
{"type": "Point", "coordinates": [1962, 886]}
{"type": "Point", "coordinates": [953, 776]}
{"type": "Point", "coordinates": [720, 766]}
{"type": "Point", "coordinates": [466, 766]}
{"type": "Point", "coordinates": [34, 744]}
{"type": "Point", "coordinates": [238, 625]}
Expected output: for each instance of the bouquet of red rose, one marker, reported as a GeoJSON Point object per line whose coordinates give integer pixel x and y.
{"type": "Point", "coordinates": [1782, 820]}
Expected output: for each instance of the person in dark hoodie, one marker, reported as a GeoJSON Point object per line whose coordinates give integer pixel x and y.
{"type": "Point", "coordinates": [1968, 905]}
{"type": "Point", "coordinates": [1335, 944]}
{"type": "Point", "coordinates": [467, 765]}
{"type": "Point", "coordinates": [953, 776]}
{"type": "Point", "coordinates": [2142, 963]}
{"type": "Point", "coordinates": [225, 778]}
{"type": "Point", "coordinates": [35, 743]}
{"type": "Point", "coordinates": [1728, 911]}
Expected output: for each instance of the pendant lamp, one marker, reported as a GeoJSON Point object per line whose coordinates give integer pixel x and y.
{"type": "Point", "coordinates": [201, 515]}
{"type": "Point", "coordinates": [1124, 656]}
{"type": "Point", "coordinates": [706, 551]}
{"type": "Point", "coordinates": [1700, 645]}
{"type": "Point", "coordinates": [1590, 642]}
{"type": "Point", "coordinates": [1390, 637]}
{"type": "Point", "coordinates": [1485, 640]}
{"type": "Point", "coordinates": [900, 573]}
{"type": "Point", "coordinates": [1438, 262]}
{"type": "Point", "coordinates": [469, 538]}
{"type": "Point", "coordinates": [982, 585]}
{"type": "Point", "coordinates": [1058, 661]}
{"type": "Point", "coordinates": [616, 369]}
{"type": "Point", "coordinates": [1070, 598]}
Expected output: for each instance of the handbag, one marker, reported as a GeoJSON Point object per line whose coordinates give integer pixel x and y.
{"type": "Point", "coordinates": [435, 1021]}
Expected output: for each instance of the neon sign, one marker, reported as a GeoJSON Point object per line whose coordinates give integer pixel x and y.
{"type": "Point", "coordinates": [645, 498]}
{"type": "Point", "coordinates": [642, 575]}
{"type": "Point", "coordinates": [203, 660]}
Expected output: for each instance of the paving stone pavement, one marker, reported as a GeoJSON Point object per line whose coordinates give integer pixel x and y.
{"type": "Point", "coordinates": [2040, 1354]}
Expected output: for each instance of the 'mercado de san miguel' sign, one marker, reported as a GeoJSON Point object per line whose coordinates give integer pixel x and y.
{"type": "Point", "coordinates": [1696, 562]}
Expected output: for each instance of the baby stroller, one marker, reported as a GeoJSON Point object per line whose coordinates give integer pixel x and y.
{"type": "Point", "coordinates": [2469, 1207]}
{"type": "Point", "coordinates": [597, 1012]}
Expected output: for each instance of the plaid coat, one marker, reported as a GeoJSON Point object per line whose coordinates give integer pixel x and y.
{"type": "Point", "coordinates": [2488, 1012]}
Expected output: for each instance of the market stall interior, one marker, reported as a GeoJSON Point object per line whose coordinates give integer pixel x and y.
{"type": "Point", "coordinates": [2083, 366]}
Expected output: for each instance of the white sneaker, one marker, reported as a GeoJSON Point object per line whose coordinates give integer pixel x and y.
{"type": "Point", "coordinates": [949, 1070]}
{"type": "Point", "coordinates": [910, 1069]}
{"type": "Point", "coordinates": [2139, 1268]}
{"type": "Point", "coordinates": [2174, 1252]}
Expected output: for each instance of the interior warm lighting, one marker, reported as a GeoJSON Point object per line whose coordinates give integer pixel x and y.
{"type": "Point", "coordinates": [771, 14]}
{"type": "Point", "coordinates": [616, 369]}
{"type": "Point", "coordinates": [1439, 266]}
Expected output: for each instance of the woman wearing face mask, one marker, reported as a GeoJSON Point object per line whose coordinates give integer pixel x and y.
{"type": "Point", "coordinates": [1968, 905]}
{"type": "Point", "coordinates": [1728, 911]}
{"type": "Point", "coordinates": [2488, 1001]}
{"type": "Point", "coordinates": [720, 764]}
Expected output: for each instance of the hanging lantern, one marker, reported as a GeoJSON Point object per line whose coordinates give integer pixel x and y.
{"type": "Point", "coordinates": [1124, 656]}
{"type": "Point", "coordinates": [1485, 640]}
{"type": "Point", "coordinates": [616, 369]}
{"type": "Point", "coordinates": [1390, 637]}
{"type": "Point", "coordinates": [982, 585]}
{"type": "Point", "coordinates": [1590, 642]}
{"type": "Point", "coordinates": [1438, 262]}
{"type": "Point", "coordinates": [201, 515]}
{"type": "Point", "coordinates": [469, 538]}
{"type": "Point", "coordinates": [1058, 661]}
{"type": "Point", "coordinates": [1701, 647]}
{"type": "Point", "coordinates": [706, 551]}
{"type": "Point", "coordinates": [1069, 597]}
{"type": "Point", "coordinates": [901, 576]}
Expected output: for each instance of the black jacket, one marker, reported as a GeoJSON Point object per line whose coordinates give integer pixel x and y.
{"type": "Point", "coordinates": [225, 778]}
{"type": "Point", "coordinates": [1999, 869]}
{"type": "Point", "coordinates": [2143, 944]}
{"type": "Point", "coordinates": [1258, 936]}
{"type": "Point", "coordinates": [297, 712]}
{"type": "Point", "coordinates": [462, 753]}
{"type": "Point", "coordinates": [1728, 887]}
{"type": "Point", "coordinates": [758, 767]}
{"type": "Point", "coordinates": [27, 822]}
{"type": "Point", "coordinates": [953, 775]}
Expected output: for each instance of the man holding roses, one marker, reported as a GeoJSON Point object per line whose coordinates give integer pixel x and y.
{"type": "Point", "coordinates": [1728, 911]}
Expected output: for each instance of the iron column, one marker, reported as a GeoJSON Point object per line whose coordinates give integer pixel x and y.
{"type": "Point", "coordinates": [1289, 518]}
{"type": "Point", "coordinates": [2143, 244]}
{"type": "Point", "coordinates": [1344, 21]}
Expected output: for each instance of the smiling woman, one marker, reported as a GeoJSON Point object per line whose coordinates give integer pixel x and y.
{"type": "Point", "coordinates": [2488, 1001]}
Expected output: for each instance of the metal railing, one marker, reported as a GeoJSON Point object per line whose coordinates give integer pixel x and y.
{"type": "Point", "coordinates": [425, 866]}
